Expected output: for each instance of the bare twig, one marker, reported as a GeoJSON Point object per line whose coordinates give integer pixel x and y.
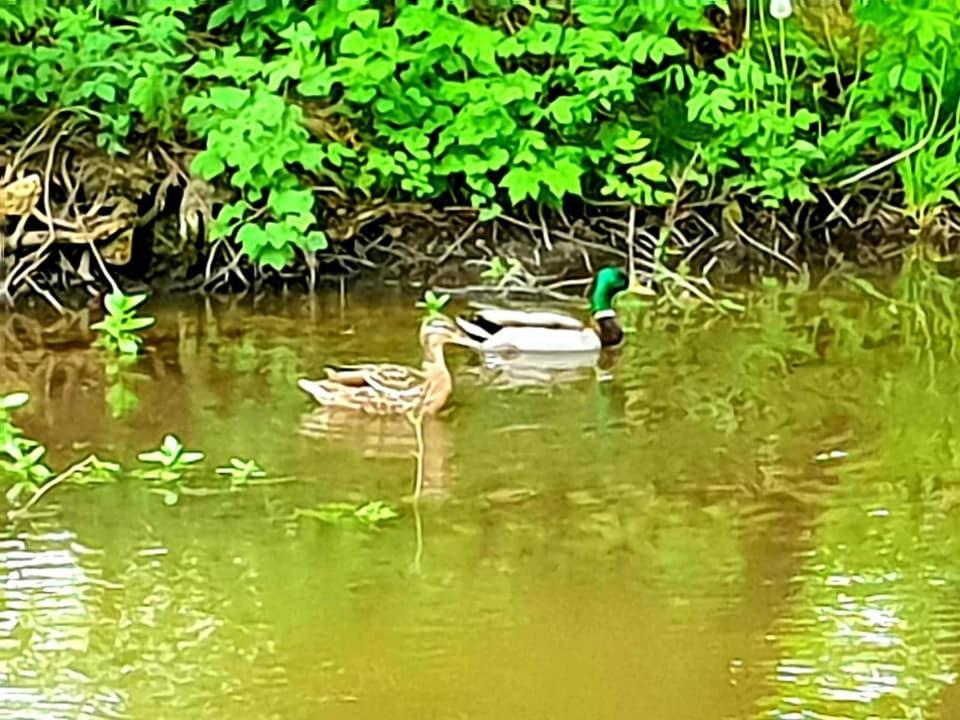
{"type": "Point", "coordinates": [46, 295]}
{"type": "Point", "coordinates": [763, 248]}
{"type": "Point", "coordinates": [76, 469]}
{"type": "Point", "coordinates": [892, 160]}
{"type": "Point", "coordinates": [543, 224]}
{"type": "Point", "coordinates": [455, 245]}
{"type": "Point", "coordinates": [103, 267]}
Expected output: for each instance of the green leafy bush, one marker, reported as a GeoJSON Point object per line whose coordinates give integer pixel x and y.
{"type": "Point", "coordinates": [497, 104]}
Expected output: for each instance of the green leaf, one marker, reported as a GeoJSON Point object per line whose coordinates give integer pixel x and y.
{"type": "Point", "coordinates": [14, 400]}
{"type": "Point", "coordinates": [664, 47]}
{"type": "Point", "coordinates": [911, 80]}
{"type": "Point", "coordinates": [521, 183]}
{"type": "Point", "coordinates": [253, 239]}
{"type": "Point", "coordinates": [154, 457]}
{"type": "Point", "coordinates": [893, 76]}
{"type": "Point", "coordinates": [138, 323]}
{"type": "Point", "coordinates": [105, 91]}
{"type": "Point", "coordinates": [490, 213]}
{"type": "Point", "coordinates": [805, 118]}
{"type": "Point", "coordinates": [275, 258]}
{"type": "Point", "coordinates": [128, 345]}
{"type": "Point", "coordinates": [115, 303]}
{"type": "Point", "coordinates": [375, 512]}
{"type": "Point", "coordinates": [314, 241]}
{"type": "Point", "coordinates": [231, 213]}
{"type": "Point", "coordinates": [281, 236]}
{"type": "Point", "coordinates": [207, 165]}
{"type": "Point", "coordinates": [229, 98]}
{"type": "Point", "coordinates": [652, 170]}
{"type": "Point", "coordinates": [563, 178]}
{"type": "Point", "coordinates": [298, 224]}
{"type": "Point", "coordinates": [561, 110]}
{"type": "Point", "coordinates": [284, 202]}
{"type": "Point", "coordinates": [354, 43]}
{"type": "Point", "coordinates": [219, 16]}
{"type": "Point", "coordinates": [134, 301]}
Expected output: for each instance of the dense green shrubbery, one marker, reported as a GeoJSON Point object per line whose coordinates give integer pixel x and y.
{"type": "Point", "coordinates": [496, 103]}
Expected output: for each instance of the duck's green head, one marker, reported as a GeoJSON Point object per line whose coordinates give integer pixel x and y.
{"type": "Point", "coordinates": [608, 283]}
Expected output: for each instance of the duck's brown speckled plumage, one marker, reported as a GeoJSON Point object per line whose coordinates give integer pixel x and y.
{"type": "Point", "coordinates": [388, 389]}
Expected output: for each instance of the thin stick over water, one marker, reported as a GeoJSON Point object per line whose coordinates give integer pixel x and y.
{"type": "Point", "coordinates": [76, 469]}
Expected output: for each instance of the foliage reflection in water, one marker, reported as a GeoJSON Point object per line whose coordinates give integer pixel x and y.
{"type": "Point", "coordinates": [753, 517]}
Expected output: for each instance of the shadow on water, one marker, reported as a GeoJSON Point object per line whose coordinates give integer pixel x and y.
{"type": "Point", "coordinates": [749, 518]}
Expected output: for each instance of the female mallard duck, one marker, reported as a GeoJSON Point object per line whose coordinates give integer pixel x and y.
{"type": "Point", "coordinates": [519, 331]}
{"type": "Point", "coordinates": [386, 389]}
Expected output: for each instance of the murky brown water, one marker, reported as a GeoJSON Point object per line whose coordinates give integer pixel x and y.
{"type": "Point", "coordinates": [662, 545]}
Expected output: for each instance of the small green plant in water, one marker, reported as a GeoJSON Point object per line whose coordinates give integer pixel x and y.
{"type": "Point", "coordinates": [94, 471]}
{"type": "Point", "coordinates": [169, 462]}
{"type": "Point", "coordinates": [166, 468]}
{"type": "Point", "coordinates": [240, 471]}
{"type": "Point", "coordinates": [120, 327]}
{"type": "Point", "coordinates": [432, 303]}
{"type": "Point", "coordinates": [21, 459]}
{"type": "Point", "coordinates": [21, 462]}
{"type": "Point", "coordinates": [371, 514]}
{"type": "Point", "coordinates": [500, 271]}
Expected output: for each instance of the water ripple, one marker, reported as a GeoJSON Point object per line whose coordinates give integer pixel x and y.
{"type": "Point", "coordinates": [49, 598]}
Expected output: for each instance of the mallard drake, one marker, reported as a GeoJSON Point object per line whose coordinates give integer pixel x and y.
{"type": "Point", "coordinates": [388, 389]}
{"type": "Point", "coordinates": [520, 331]}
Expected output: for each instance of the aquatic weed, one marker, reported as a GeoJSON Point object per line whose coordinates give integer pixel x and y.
{"type": "Point", "coordinates": [498, 271]}
{"type": "Point", "coordinates": [167, 466]}
{"type": "Point", "coordinates": [240, 471]}
{"type": "Point", "coordinates": [433, 304]}
{"type": "Point", "coordinates": [21, 461]}
{"type": "Point", "coordinates": [370, 514]}
{"type": "Point", "coordinates": [21, 458]}
{"type": "Point", "coordinates": [120, 327]}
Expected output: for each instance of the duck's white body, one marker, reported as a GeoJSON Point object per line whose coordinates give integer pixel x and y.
{"type": "Point", "coordinates": [536, 332]}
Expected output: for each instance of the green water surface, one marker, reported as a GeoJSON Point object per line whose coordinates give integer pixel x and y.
{"type": "Point", "coordinates": [674, 542]}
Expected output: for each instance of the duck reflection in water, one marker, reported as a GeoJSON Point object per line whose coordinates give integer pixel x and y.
{"type": "Point", "coordinates": [389, 437]}
{"type": "Point", "coordinates": [531, 369]}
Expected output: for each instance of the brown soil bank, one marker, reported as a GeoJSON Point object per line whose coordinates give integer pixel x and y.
{"type": "Point", "coordinates": [73, 220]}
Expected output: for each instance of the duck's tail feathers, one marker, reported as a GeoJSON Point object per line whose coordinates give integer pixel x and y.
{"type": "Point", "coordinates": [317, 390]}
{"type": "Point", "coordinates": [472, 330]}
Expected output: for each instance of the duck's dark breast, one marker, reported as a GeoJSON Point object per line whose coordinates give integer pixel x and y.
{"type": "Point", "coordinates": [610, 332]}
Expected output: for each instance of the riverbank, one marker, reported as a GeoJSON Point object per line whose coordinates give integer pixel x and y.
{"type": "Point", "coordinates": [88, 220]}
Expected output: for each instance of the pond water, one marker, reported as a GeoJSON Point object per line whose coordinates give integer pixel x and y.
{"type": "Point", "coordinates": [747, 519]}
